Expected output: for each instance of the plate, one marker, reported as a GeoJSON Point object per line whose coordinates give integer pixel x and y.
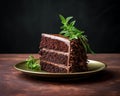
{"type": "Point", "coordinates": [93, 68]}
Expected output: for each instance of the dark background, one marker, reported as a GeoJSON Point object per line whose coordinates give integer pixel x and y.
{"type": "Point", "coordinates": [23, 21]}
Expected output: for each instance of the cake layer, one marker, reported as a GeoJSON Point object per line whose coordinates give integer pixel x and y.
{"type": "Point", "coordinates": [56, 51]}
{"type": "Point", "coordinates": [54, 56]}
{"type": "Point", "coordinates": [56, 68]}
{"type": "Point", "coordinates": [52, 68]}
{"type": "Point", "coordinates": [54, 42]}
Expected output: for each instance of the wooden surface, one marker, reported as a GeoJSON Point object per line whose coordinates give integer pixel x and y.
{"type": "Point", "coordinates": [14, 83]}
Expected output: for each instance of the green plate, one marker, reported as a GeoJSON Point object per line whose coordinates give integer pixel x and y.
{"type": "Point", "coordinates": [93, 68]}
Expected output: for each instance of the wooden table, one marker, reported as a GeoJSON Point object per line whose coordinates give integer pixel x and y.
{"type": "Point", "coordinates": [14, 83]}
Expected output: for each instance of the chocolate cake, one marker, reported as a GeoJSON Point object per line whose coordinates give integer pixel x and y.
{"type": "Point", "coordinates": [58, 54]}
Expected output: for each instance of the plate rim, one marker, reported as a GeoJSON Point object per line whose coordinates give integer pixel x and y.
{"type": "Point", "coordinates": [50, 73]}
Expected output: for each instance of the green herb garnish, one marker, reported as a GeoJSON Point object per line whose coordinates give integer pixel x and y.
{"type": "Point", "coordinates": [31, 63]}
{"type": "Point", "coordinates": [70, 31]}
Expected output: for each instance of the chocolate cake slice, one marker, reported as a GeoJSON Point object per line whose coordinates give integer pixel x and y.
{"type": "Point", "coordinates": [58, 54]}
{"type": "Point", "coordinates": [64, 53]}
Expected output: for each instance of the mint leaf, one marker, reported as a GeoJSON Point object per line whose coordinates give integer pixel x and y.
{"type": "Point", "coordinates": [72, 23]}
{"type": "Point", "coordinates": [31, 63]}
{"type": "Point", "coordinates": [70, 31]}
{"type": "Point", "coordinates": [62, 19]}
{"type": "Point", "coordinates": [68, 19]}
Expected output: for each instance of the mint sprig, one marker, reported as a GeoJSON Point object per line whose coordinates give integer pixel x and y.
{"type": "Point", "coordinates": [32, 64]}
{"type": "Point", "coordinates": [70, 31]}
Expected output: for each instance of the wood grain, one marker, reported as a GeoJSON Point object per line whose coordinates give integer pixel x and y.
{"type": "Point", "coordinates": [14, 83]}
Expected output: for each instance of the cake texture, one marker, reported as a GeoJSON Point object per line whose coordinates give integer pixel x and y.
{"type": "Point", "coordinates": [58, 54]}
